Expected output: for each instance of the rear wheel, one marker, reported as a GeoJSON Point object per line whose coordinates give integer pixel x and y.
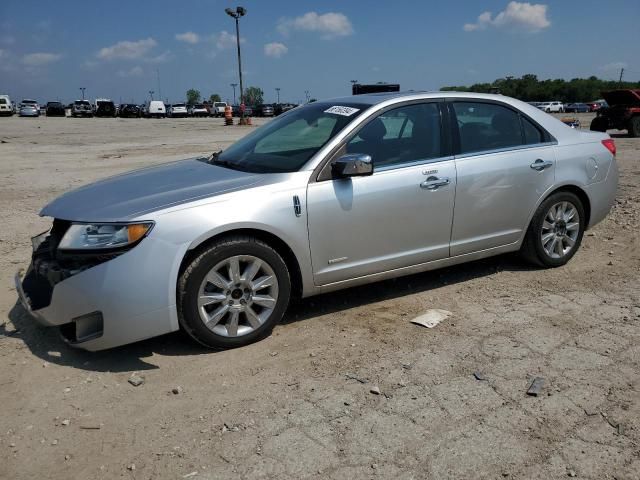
{"type": "Point", "coordinates": [233, 293]}
{"type": "Point", "coordinates": [599, 124]}
{"type": "Point", "coordinates": [556, 231]}
{"type": "Point", "coordinates": [634, 127]}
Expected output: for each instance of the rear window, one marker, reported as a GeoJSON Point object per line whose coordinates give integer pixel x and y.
{"type": "Point", "coordinates": [3, 101]}
{"type": "Point", "coordinates": [179, 105]}
{"type": "Point", "coordinates": [220, 104]}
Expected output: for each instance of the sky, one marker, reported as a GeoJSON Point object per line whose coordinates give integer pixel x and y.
{"type": "Point", "coordinates": [121, 49]}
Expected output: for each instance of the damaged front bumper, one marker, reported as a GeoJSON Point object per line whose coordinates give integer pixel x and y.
{"type": "Point", "coordinates": [100, 302]}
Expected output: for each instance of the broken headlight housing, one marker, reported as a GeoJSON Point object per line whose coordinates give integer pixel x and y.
{"type": "Point", "coordinates": [103, 236]}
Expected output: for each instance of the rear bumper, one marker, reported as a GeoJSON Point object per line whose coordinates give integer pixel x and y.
{"type": "Point", "coordinates": [123, 300]}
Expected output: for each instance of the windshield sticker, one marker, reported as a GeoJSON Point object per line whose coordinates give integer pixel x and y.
{"type": "Point", "coordinates": [344, 111]}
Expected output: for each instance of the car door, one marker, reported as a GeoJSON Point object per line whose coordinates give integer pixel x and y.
{"type": "Point", "coordinates": [398, 216]}
{"type": "Point", "coordinates": [505, 164]}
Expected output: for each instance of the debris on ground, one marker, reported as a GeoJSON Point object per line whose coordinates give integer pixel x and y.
{"type": "Point", "coordinates": [480, 376]}
{"type": "Point", "coordinates": [536, 387]}
{"type": "Point", "coordinates": [351, 376]}
{"type": "Point", "coordinates": [375, 390]}
{"type": "Point", "coordinates": [136, 380]}
{"type": "Point", "coordinates": [176, 390]}
{"type": "Point", "coordinates": [431, 318]}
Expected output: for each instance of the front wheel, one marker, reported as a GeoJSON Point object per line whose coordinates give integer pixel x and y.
{"type": "Point", "coordinates": [233, 293]}
{"type": "Point", "coordinates": [634, 127]}
{"type": "Point", "coordinates": [555, 232]}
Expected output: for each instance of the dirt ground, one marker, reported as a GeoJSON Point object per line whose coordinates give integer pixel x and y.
{"type": "Point", "coordinates": [298, 404]}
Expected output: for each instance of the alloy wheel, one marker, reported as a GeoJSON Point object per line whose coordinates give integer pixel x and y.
{"type": "Point", "coordinates": [560, 229]}
{"type": "Point", "coordinates": [237, 296]}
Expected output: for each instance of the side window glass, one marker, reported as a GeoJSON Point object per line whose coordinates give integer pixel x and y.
{"type": "Point", "coordinates": [486, 126]}
{"type": "Point", "coordinates": [401, 135]}
{"type": "Point", "coordinates": [532, 134]}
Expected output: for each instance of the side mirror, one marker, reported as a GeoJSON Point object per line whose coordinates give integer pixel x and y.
{"type": "Point", "coordinates": [352, 165]}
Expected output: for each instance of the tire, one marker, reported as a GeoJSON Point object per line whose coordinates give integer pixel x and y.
{"type": "Point", "coordinates": [599, 124]}
{"type": "Point", "coordinates": [253, 320]}
{"type": "Point", "coordinates": [634, 127]}
{"type": "Point", "coordinates": [535, 250]}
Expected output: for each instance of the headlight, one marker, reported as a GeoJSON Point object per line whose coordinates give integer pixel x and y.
{"type": "Point", "coordinates": [83, 236]}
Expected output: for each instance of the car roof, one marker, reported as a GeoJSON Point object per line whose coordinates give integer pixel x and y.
{"type": "Point", "coordinates": [376, 98]}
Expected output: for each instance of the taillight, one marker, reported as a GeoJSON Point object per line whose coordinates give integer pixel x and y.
{"type": "Point", "coordinates": [610, 145]}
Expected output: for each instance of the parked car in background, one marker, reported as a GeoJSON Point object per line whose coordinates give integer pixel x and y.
{"type": "Point", "coordinates": [622, 113]}
{"type": "Point", "coordinates": [198, 110]}
{"type": "Point", "coordinates": [178, 110]}
{"type": "Point", "coordinates": [235, 111]}
{"type": "Point", "coordinates": [129, 110]}
{"type": "Point", "coordinates": [266, 110]}
{"type": "Point", "coordinates": [29, 109]}
{"type": "Point", "coordinates": [316, 200]}
{"type": "Point", "coordinates": [572, 122]}
{"type": "Point", "coordinates": [81, 108]}
{"type": "Point", "coordinates": [551, 107]}
{"type": "Point", "coordinates": [217, 110]}
{"type": "Point", "coordinates": [104, 107]}
{"type": "Point", "coordinates": [597, 105]}
{"type": "Point", "coordinates": [6, 107]}
{"type": "Point", "coordinates": [54, 109]}
{"type": "Point", "coordinates": [577, 108]}
{"type": "Point", "coordinates": [534, 104]}
{"type": "Point", "coordinates": [155, 109]}
{"type": "Point", "coordinates": [280, 108]}
{"type": "Point", "coordinates": [28, 101]}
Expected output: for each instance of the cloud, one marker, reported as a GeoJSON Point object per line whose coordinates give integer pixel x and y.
{"type": "Point", "coordinates": [275, 49]}
{"type": "Point", "coordinates": [224, 40]}
{"type": "Point", "coordinates": [613, 66]}
{"type": "Point", "coordinates": [517, 16]}
{"type": "Point", "coordinates": [188, 37]}
{"type": "Point", "coordinates": [8, 39]}
{"type": "Point", "coordinates": [127, 50]}
{"type": "Point", "coordinates": [40, 59]}
{"type": "Point", "coordinates": [162, 58]}
{"type": "Point", "coordinates": [330, 25]}
{"type": "Point", "coordinates": [132, 72]}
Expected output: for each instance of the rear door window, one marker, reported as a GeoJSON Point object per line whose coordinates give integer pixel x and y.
{"type": "Point", "coordinates": [486, 126]}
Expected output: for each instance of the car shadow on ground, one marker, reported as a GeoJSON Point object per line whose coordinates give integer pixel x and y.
{"type": "Point", "coordinates": [46, 343]}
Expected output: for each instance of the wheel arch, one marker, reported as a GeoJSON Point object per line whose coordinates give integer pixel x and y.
{"type": "Point", "coordinates": [577, 191]}
{"type": "Point", "coordinates": [274, 241]}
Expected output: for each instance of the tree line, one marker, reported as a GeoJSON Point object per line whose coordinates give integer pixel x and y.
{"type": "Point", "coordinates": [530, 89]}
{"type": "Point", "coordinates": [252, 96]}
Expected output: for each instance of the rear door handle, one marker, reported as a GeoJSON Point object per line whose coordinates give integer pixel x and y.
{"type": "Point", "coordinates": [540, 164]}
{"type": "Point", "coordinates": [433, 183]}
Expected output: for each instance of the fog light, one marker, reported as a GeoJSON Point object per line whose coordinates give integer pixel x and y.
{"type": "Point", "coordinates": [84, 328]}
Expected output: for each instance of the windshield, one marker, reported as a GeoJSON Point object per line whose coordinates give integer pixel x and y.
{"type": "Point", "coordinates": [82, 102]}
{"type": "Point", "coordinates": [220, 104]}
{"type": "Point", "coordinates": [288, 142]}
{"type": "Point", "coordinates": [29, 102]}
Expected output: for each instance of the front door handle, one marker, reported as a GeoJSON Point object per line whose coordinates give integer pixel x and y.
{"type": "Point", "coordinates": [433, 183]}
{"type": "Point", "coordinates": [540, 164]}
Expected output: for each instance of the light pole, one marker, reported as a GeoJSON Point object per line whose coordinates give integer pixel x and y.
{"type": "Point", "coordinates": [151, 92]}
{"type": "Point", "coordinates": [236, 14]}
{"type": "Point", "coordinates": [234, 85]}
{"type": "Point", "coordinates": [83, 89]}
{"type": "Point", "coordinates": [278, 92]}
{"type": "Point", "coordinates": [306, 94]}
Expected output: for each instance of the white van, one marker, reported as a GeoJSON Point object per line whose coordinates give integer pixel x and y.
{"type": "Point", "coordinates": [156, 108]}
{"type": "Point", "coordinates": [6, 107]}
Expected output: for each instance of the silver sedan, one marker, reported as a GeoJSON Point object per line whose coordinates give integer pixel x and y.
{"type": "Point", "coordinates": [327, 196]}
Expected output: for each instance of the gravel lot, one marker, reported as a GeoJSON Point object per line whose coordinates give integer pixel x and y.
{"type": "Point", "coordinates": [298, 404]}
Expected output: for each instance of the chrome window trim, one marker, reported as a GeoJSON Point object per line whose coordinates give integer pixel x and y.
{"type": "Point", "coordinates": [504, 150]}
{"type": "Point", "coordinates": [413, 163]}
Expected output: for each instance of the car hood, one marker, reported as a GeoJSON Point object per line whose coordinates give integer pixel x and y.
{"type": "Point", "coordinates": [622, 97]}
{"type": "Point", "coordinates": [130, 195]}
